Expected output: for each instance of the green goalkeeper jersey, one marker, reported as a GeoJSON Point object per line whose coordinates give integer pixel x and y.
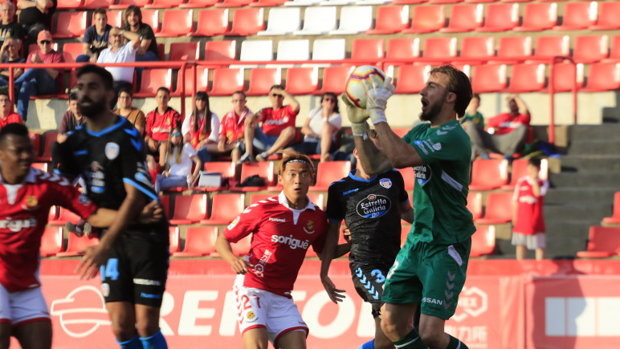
{"type": "Point", "coordinates": [442, 184]}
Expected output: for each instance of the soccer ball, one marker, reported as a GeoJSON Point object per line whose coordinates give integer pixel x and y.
{"type": "Point", "coordinates": [354, 87]}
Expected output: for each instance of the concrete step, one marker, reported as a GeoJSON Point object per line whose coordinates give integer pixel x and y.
{"type": "Point", "coordinates": [557, 247]}
{"type": "Point", "coordinates": [595, 146]}
{"type": "Point", "coordinates": [584, 132]}
{"type": "Point", "coordinates": [579, 194]}
{"type": "Point", "coordinates": [585, 180]}
{"type": "Point", "coordinates": [592, 211]}
{"type": "Point", "coordinates": [560, 228]}
{"type": "Point", "coordinates": [590, 163]}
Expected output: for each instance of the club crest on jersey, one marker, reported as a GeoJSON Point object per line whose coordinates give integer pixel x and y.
{"type": "Point", "coordinates": [111, 150]}
{"type": "Point", "coordinates": [309, 228]}
{"type": "Point", "coordinates": [105, 289]}
{"type": "Point", "coordinates": [374, 206]}
{"type": "Point", "coordinates": [31, 202]}
{"type": "Point", "coordinates": [386, 183]}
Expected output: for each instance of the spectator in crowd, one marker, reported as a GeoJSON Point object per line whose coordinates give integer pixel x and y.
{"type": "Point", "coordinates": [472, 114]}
{"type": "Point", "coordinates": [95, 38]}
{"type": "Point", "coordinates": [278, 126]}
{"type": "Point", "coordinates": [40, 81]}
{"type": "Point", "coordinates": [230, 140]}
{"type": "Point", "coordinates": [128, 111]}
{"type": "Point", "coordinates": [10, 54]}
{"type": "Point", "coordinates": [35, 16]}
{"type": "Point", "coordinates": [71, 120]}
{"type": "Point", "coordinates": [178, 163]}
{"type": "Point", "coordinates": [507, 131]}
{"type": "Point", "coordinates": [147, 52]}
{"type": "Point", "coordinates": [321, 128]}
{"type": "Point", "coordinates": [202, 127]}
{"type": "Point", "coordinates": [159, 124]}
{"type": "Point", "coordinates": [7, 116]}
{"type": "Point", "coordinates": [528, 221]}
{"type": "Point", "coordinates": [9, 27]}
{"type": "Point", "coordinates": [120, 52]}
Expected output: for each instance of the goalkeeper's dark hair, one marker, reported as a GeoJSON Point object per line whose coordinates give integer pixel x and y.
{"type": "Point", "coordinates": [458, 84]}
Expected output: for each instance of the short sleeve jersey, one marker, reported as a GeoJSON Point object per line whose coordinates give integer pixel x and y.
{"type": "Point", "coordinates": [233, 125]}
{"type": "Point", "coordinates": [530, 218]}
{"type": "Point", "coordinates": [442, 184]}
{"type": "Point", "coordinates": [275, 121]}
{"type": "Point", "coordinates": [477, 119]}
{"type": "Point", "coordinates": [159, 126]}
{"type": "Point", "coordinates": [281, 237]}
{"type": "Point", "coordinates": [97, 42]}
{"type": "Point", "coordinates": [13, 118]}
{"type": "Point", "coordinates": [24, 211]}
{"type": "Point", "coordinates": [371, 211]}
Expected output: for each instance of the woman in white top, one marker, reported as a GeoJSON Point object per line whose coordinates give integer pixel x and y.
{"type": "Point", "coordinates": [179, 158]}
{"type": "Point", "coordinates": [321, 128]}
{"type": "Point", "coordinates": [202, 128]}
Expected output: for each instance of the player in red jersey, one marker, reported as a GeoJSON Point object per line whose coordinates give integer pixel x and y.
{"type": "Point", "coordinates": [26, 195]}
{"type": "Point", "coordinates": [283, 229]}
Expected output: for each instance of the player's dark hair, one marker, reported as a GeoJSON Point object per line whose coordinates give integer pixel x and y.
{"type": "Point", "coordinates": [13, 129]}
{"type": "Point", "coordinates": [458, 84]}
{"type": "Point", "coordinates": [276, 86]}
{"type": "Point", "coordinates": [239, 93]}
{"type": "Point", "coordinates": [134, 10]}
{"type": "Point", "coordinates": [331, 94]}
{"type": "Point", "coordinates": [206, 130]}
{"type": "Point", "coordinates": [100, 11]}
{"type": "Point", "coordinates": [127, 90]}
{"type": "Point", "coordinates": [535, 161]}
{"type": "Point", "coordinates": [165, 89]}
{"type": "Point", "coordinates": [296, 157]}
{"type": "Point", "coordinates": [73, 96]}
{"type": "Point", "coordinates": [106, 77]}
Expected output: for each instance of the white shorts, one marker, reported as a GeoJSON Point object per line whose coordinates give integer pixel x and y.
{"type": "Point", "coordinates": [19, 308]}
{"type": "Point", "coordinates": [531, 241]}
{"type": "Point", "coordinates": [258, 308]}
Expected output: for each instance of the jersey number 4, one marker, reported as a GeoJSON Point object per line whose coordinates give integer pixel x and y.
{"type": "Point", "coordinates": [110, 270]}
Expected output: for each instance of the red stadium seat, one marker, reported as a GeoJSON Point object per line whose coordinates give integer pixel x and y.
{"type": "Point", "coordinates": [489, 174]}
{"type": "Point", "coordinates": [211, 23]}
{"type": "Point", "coordinates": [176, 23]}
{"type": "Point", "coordinates": [489, 78]}
{"type": "Point", "coordinates": [443, 49]}
{"type": "Point", "coordinates": [329, 172]}
{"type": "Point", "coordinates": [71, 51]}
{"type": "Point", "coordinates": [93, 4]}
{"type": "Point", "coordinates": [202, 79]}
{"type": "Point", "coordinates": [242, 247]}
{"type": "Point", "coordinates": [40, 166]}
{"type": "Point", "coordinates": [76, 245]}
{"type": "Point", "coordinates": [464, 18]}
{"type": "Point", "coordinates": [614, 53]}
{"type": "Point", "coordinates": [498, 209]}
{"type": "Point", "coordinates": [603, 77]}
{"type": "Point", "coordinates": [226, 81]}
{"type": "Point", "coordinates": [152, 79]}
{"type": "Point", "coordinates": [519, 47]}
{"type": "Point", "coordinates": [190, 209]}
{"type": "Point", "coordinates": [115, 19]}
{"type": "Point", "coordinates": [609, 13]}
{"type": "Point", "coordinates": [70, 25]}
{"type": "Point", "coordinates": [199, 241]}
{"type": "Point", "coordinates": [317, 199]}
{"type": "Point", "coordinates": [602, 242]}
{"type": "Point", "coordinates": [227, 169]}
{"type": "Point", "coordinates": [539, 17]}
{"type": "Point", "coordinates": [234, 3]}
{"type": "Point", "coordinates": [199, 4]}
{"type": "Point", "coordinates": [175, 239]}
{"type": "Point", "coordinates": [480, 1]}
{"type": "Point", "coordinates": [474, 204]}
{"type": "Point", "coordinates": [500, 17]}
{"type": "Point", "coordinates": [265, 170]}
{"type": "Point", "coordinates": [35, 138]}
{"type": "Point", "coordinates": [427, 19]}
{"type": "Point", "coordinates": [550, 46]}
{"type": "Point", "coordinates": [302, 81]}
{"type": "Point", "coordinates": [247, 21]}
{"type": "Point", "coordinates": [591, 49]}
{"type": "Point", "coordinates": [334, 79]}
{"type": "Point", "coordinates": [477, 48]}
{"type": "Point", "coordinates": [123, 4]}
{"type": "Point", "coordinates": [403, 48]}
{"type": "Point", "coordinates": [391, 20]}
{"type": "Point", "coordinates": [261, 80]}
{"type": "Point", "coordinates": [370, 50]}
{"type": "Point", "coordinates": [184, 51]}
{"type": "Point", "coordinates": [564, 77]}
{"type": "Point", "coordinates": [519, 170]}
{"type": "Point", "coordinates": [483, 241]}
{"type": "Point", "coordinates": [408, 2]}
{"type": "Point", "coordinates": [164, 200]}
{"type": "Point", "coordinates": [52, 241]}
{"type": "Point", "coordinates": [221, 51]}
{"type": "Point", "coordinates": [151, 17]}
{"type": "Point", "coordinates": [225, 208]}
{"type": "Point", "coordinates": [68, 4]}
{"type": "Point", "coordinates": [578, 16]}
{"type": "Point", "coordinates": [615, 217]}
{"type": "Point", "coordinates": [164, 4]}
{"type": "Point", "coordinates": [64, 217]}
{"type": "Point", "coordinates": [46, 156]}
{"type": "Point", "coordinates": [268, 3]}
{"type": "Point", "coordinates": [411, 78]}
{"type": "Point", "coordinates": [408, 176]}
{"type": "Point", "coordinates": [527, 77]}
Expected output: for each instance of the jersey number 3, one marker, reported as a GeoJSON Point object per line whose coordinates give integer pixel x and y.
{"type": "Point", "coordinates": [110, 270]}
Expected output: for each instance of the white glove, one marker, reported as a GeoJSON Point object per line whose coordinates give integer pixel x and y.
{"type": "Point", "coordinates": [360, 129]}
{"type": "Point", "coordinates": [376, 101]}
{"type": "Point", "coordinates": [357, 117]}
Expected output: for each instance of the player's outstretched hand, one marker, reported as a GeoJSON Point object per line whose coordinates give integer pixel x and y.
{"type": "Point", "coordinates": [334, 294]}
{"type": "Point", "coordinates": [377, 96]}
{"type": "Point", "coordinates": [241, 266]}
{"type": "Point", "coordinates": [356, 116]}
{"type": "Point", "coordinates": [94, 257]}
{"type": "Point", "coordinates": [153, 212]}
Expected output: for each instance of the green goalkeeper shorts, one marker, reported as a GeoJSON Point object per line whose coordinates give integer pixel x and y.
{"type": "Point", "coordinates": [429, 274]}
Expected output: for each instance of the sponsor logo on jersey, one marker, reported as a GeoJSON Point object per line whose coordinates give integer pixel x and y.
{"type": "Point", "coordinates": [441, 133]}
{"type": "Point", "coordinates": [277, 122]}
{"type": "Point", "coordinates": [96, 178]}
{"type": "Point", "coordinates": [309, 228]}
{"type": "Point", "coordinates": [281, 220]}
{"type": "Point", "coordinates": [432, 301]}
{"type": "Point", "coordinates": [16, 225]}
{"type": "Point", "coordinates": [386, 183]}
{"type": "Point", "coordinates": [290, 241]}
{"type": "Point", "coordinates": [437, 146]}
{"type": "Point", "coordinates": [423, 174]}
{"type": "Point", "coordinates": [111, 150]}
{"type": "Point", "coordinates": [374, 206]}
{"type": "Point", "coordinates": [233, 224]}
{"type": "Point", "coordinates": [146, 282]}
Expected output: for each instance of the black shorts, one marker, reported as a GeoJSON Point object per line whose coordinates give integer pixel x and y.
{"type": "Point", "coordinates": [368, 281]}
{"type": "Point", "coordinates": [136, 270]}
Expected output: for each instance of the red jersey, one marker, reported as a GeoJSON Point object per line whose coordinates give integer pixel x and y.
{"type": "Point", "coordinates": [24, 211]}
{"type": "Point", "coordinates": [159, 126]}
{"type": "Point", "coordinates": [530, 218]}
{"type": "Point", "coordinates": [13, 118]}
{"type": "Point", "coordinates": [233, 127]}
{"type": "Point", "coordinates": [281, 238]}
{"type": "Point", "coordinates": [275, 121]}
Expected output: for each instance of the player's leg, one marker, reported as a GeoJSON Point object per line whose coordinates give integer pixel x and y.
{"type": "Point", "coordinates": [292, 340]}
{"type": "Point", "coordinates": [396, 324]}
{"type": "Point", "coordinates": [251, 128]}
{"type": "Point", "coordinates": [381, 341]}
{"type": "Point", "coordinates": [5, 333]}
{"type": "Point", "coordinates": [250, 306]}
{"type": "Point", "coordinates": [34, 335]}
{"type": "Point", "coordinates": [123, 321]}
{"type": "Point", "coordinates": [433, 335]}
{"type": "Point", "coordinates": [31, 323]}
{"type": "Point", "coordinates": [285, 137]}
{"type": "Point", "coordinates": [147, 324]}
{"type": "Point", "coordinates": [5, 318]}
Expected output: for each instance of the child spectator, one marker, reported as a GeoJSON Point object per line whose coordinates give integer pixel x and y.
{"type": "Point", "coordinates": [178, 163]}
{"type": "Point", "coordinates": [202, 128]}
{"type": "Point", "coordinates": [472, 114]}
{"type": "Point", "coordinates": [527, 212]}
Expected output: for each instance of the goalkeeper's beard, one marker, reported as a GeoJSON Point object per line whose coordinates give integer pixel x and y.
{"type": "Point", "coordinates": [434, 110]}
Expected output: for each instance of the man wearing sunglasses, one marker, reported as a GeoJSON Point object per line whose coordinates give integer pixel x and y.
{"type": "Point", "coordinates": [40, 81]}
{"type": "Point", "coordinates": [278, 126]}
